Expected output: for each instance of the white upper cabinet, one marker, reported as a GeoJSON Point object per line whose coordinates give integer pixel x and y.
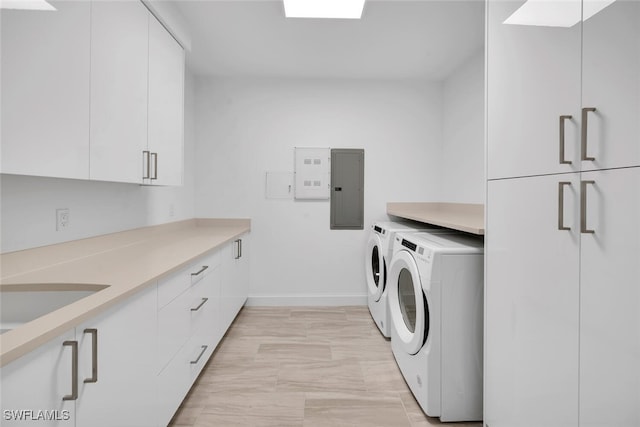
{"type": "Point", "coordinates": [119, 68]}
{"type": "Point", "coordinates": [611, 84]}
{"type": "Point", "coordinates": [93, 90]}
{"type": "Point", "coordinates": [533, 81]}
{"type": "Point", "coordinates": [164, 162]}
{"type": "Point", "coordinates": [571, 83]}
{"type": "Point", "coordinates": [45, 90]}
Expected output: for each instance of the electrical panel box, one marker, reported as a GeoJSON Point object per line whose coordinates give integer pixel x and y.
{"type": "Point", "coordinates": [347, 189]}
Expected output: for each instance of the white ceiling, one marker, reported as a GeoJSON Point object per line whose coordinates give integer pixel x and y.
{"type": "Point", "coordinates": [395, 39]}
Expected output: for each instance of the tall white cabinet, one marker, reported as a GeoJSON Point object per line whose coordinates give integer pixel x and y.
{"type": "Point", "coordinates": [563, 203]}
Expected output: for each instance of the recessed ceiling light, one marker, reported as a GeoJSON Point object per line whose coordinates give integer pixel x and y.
{"type": "Point", "coordinates": [555, 13]}
{"type": "Point", "coordinates": [26, 5]}
{"type": "Point", "coordinates": [336, 9]}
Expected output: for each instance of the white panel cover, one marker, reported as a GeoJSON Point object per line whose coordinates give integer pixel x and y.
{"type": "Point", "coordinates": [312, 173]}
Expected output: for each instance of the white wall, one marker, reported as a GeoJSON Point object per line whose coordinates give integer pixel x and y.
{"type": "Point", "coordinates": [246, 127]}
{"type": "Point", "coordinates": [28, 204]}
{"type": "Point", "coordinates": [463, 133]}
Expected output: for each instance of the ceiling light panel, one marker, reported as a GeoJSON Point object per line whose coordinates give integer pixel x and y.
{"type": "Point", "coordinates": [556, 13]}
{"type": "Point", "coordinates": [26, 5]}
{"type": "Point", "coordinates": [332, 9]}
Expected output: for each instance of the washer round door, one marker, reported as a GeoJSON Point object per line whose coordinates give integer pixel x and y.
{"type": "Point", "coordinates": [407, 304]}
{"type": "Point", "coordinates": [375, 267]}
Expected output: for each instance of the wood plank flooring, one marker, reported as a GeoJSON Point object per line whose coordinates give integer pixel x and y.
{"type": "Point", "coordinates": [305, 367]}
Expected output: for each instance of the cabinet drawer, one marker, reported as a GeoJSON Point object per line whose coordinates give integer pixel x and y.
{"type": "Point", "coordinates": [204, 266]}
{"type": "Point", "coordinates": [173, 384]}
{"type": "Point", "coordinates": [178, 282]}
{"type": "Point", "coordinates": [174, 327]}
{"type": "Point", "coordinates": [199, 349]}
{"type": "Point", "coordinates": [193, 310]}
{"type": "Point", "coordinates": [173, 285]}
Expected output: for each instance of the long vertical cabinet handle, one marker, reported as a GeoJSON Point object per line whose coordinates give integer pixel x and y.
{"type": "Point", "coordinates": [238, 243]}
{"type": "Point", "coordinates": [94, 355]}
{"type": "Point", "coordinates": [563, 161]}
{"type": "Point", "coordinates": [583, 207]}
{"type": "Point", "coordinates": [155, 165]}
{"type": "Point", "coordinates": [74, 370]}
{"type": "Point", "coordinates": [145, 160]}
{"type": "Point", "coordinates": [585, 116]}
{"type": "Point", "coordinates": [561, 186]}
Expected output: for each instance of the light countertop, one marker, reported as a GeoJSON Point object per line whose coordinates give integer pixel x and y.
{"type": "Point", "coordinates": [124, 262]}
{"type": "Point", "coordinates": [458, 216]}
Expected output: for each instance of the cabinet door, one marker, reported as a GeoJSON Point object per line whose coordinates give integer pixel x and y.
{"type": "Point", "coordinates": [45, 90]}
{"type": "Point", "coordinates": [610, 300]}
{"type": "Point", "coordinates": [125, 392]}
{"type": "Point", "coordinates": [119, 69]}
{"type": "Point", "coordinates": [166, 106]}
{"type": "Point", "coordinates": [531, 305]}
{"type": "Point", "coordinates": [611, 83]}
{"type": "Point", "coordinates": [242, 271]}
{"type": "Point", "coordinates": [235, 280]}
{"type": "Point", "coordinates": [37, 382]}
{"type": "Point", "coordinates": [533, 79]}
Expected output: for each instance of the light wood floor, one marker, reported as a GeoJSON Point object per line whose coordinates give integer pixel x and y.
{"type": "Point", "coordinates": [305, 367]}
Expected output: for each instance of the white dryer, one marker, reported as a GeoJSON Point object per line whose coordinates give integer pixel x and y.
{"type": "Point", "coordinates": [436, 310]}
{"type": "Point", "coordinates": [377, 259]}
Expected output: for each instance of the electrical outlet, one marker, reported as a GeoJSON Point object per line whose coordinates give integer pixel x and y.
{"type": "Point", "coordinates": [62, 219]}
{"type": "Point", "coordinates": [171, 210]}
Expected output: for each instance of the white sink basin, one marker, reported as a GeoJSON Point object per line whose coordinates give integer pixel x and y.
{"type": "Point", "coordinates": [21, 306]}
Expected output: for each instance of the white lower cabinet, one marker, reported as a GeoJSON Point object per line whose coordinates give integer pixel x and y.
{"type": "Point", "coordinates": [132, 365]}
{"type": "Point", "coordinates": [532, 299]}
{"type": "Point", "coordinates": [99, 374]}
{"type": "Point", "coordinates": [116, 375]}
{"type": "Point", "coordinates": [201, 302]}
{"type": "Point", "coordinates": [610, 300]}
{"type": "Point", "coordinates": [562, 306]}
{"type": "Point", "coordinates": [235, 279]}
{"type": "Point", "coordinates": [34, 387]}
{"type": "Point", "coordinates": [182, 347]}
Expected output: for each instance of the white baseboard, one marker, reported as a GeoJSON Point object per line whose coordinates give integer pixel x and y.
{"type": "Point", "coordinates": [305, 300]}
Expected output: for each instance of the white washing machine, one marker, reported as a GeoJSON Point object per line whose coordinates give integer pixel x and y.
{"type": "Point", "coordinates": [436, 310]}
{"type": "Point", "coordinates": [377, 259]}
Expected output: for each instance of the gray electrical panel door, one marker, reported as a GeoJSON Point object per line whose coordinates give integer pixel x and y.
{"type": "Point", "coordinates": [347, 189]}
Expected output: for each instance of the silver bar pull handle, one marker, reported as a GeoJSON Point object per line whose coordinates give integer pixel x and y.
{"type": "Point", "coordinates": [561, 186]}
{"type": "Point", "coordinates": [563, 161]}
{"type": "Point", "coordinates": [238, 242]}
{"type": "Point", "coordinates": [204, 300]}
{"type": "Point", "coordinates": [583, 207]}
{"type": "Point", "coordinates": [94, 355]}
{"type": "Point", "coordinates": [155, 165]}
{"type": "Point", "coordinates": [145, 162]}
{"type": "Point", "coordinates": [240, 248]}
{"type": "Point", "coordinates": [204, 267]}
{"type": "Point", "coordinates": [585, 115]}
{"type": "Point", "coordinates": [74, 370]}
{"type": "Point", "coordinates": [204, 348]}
